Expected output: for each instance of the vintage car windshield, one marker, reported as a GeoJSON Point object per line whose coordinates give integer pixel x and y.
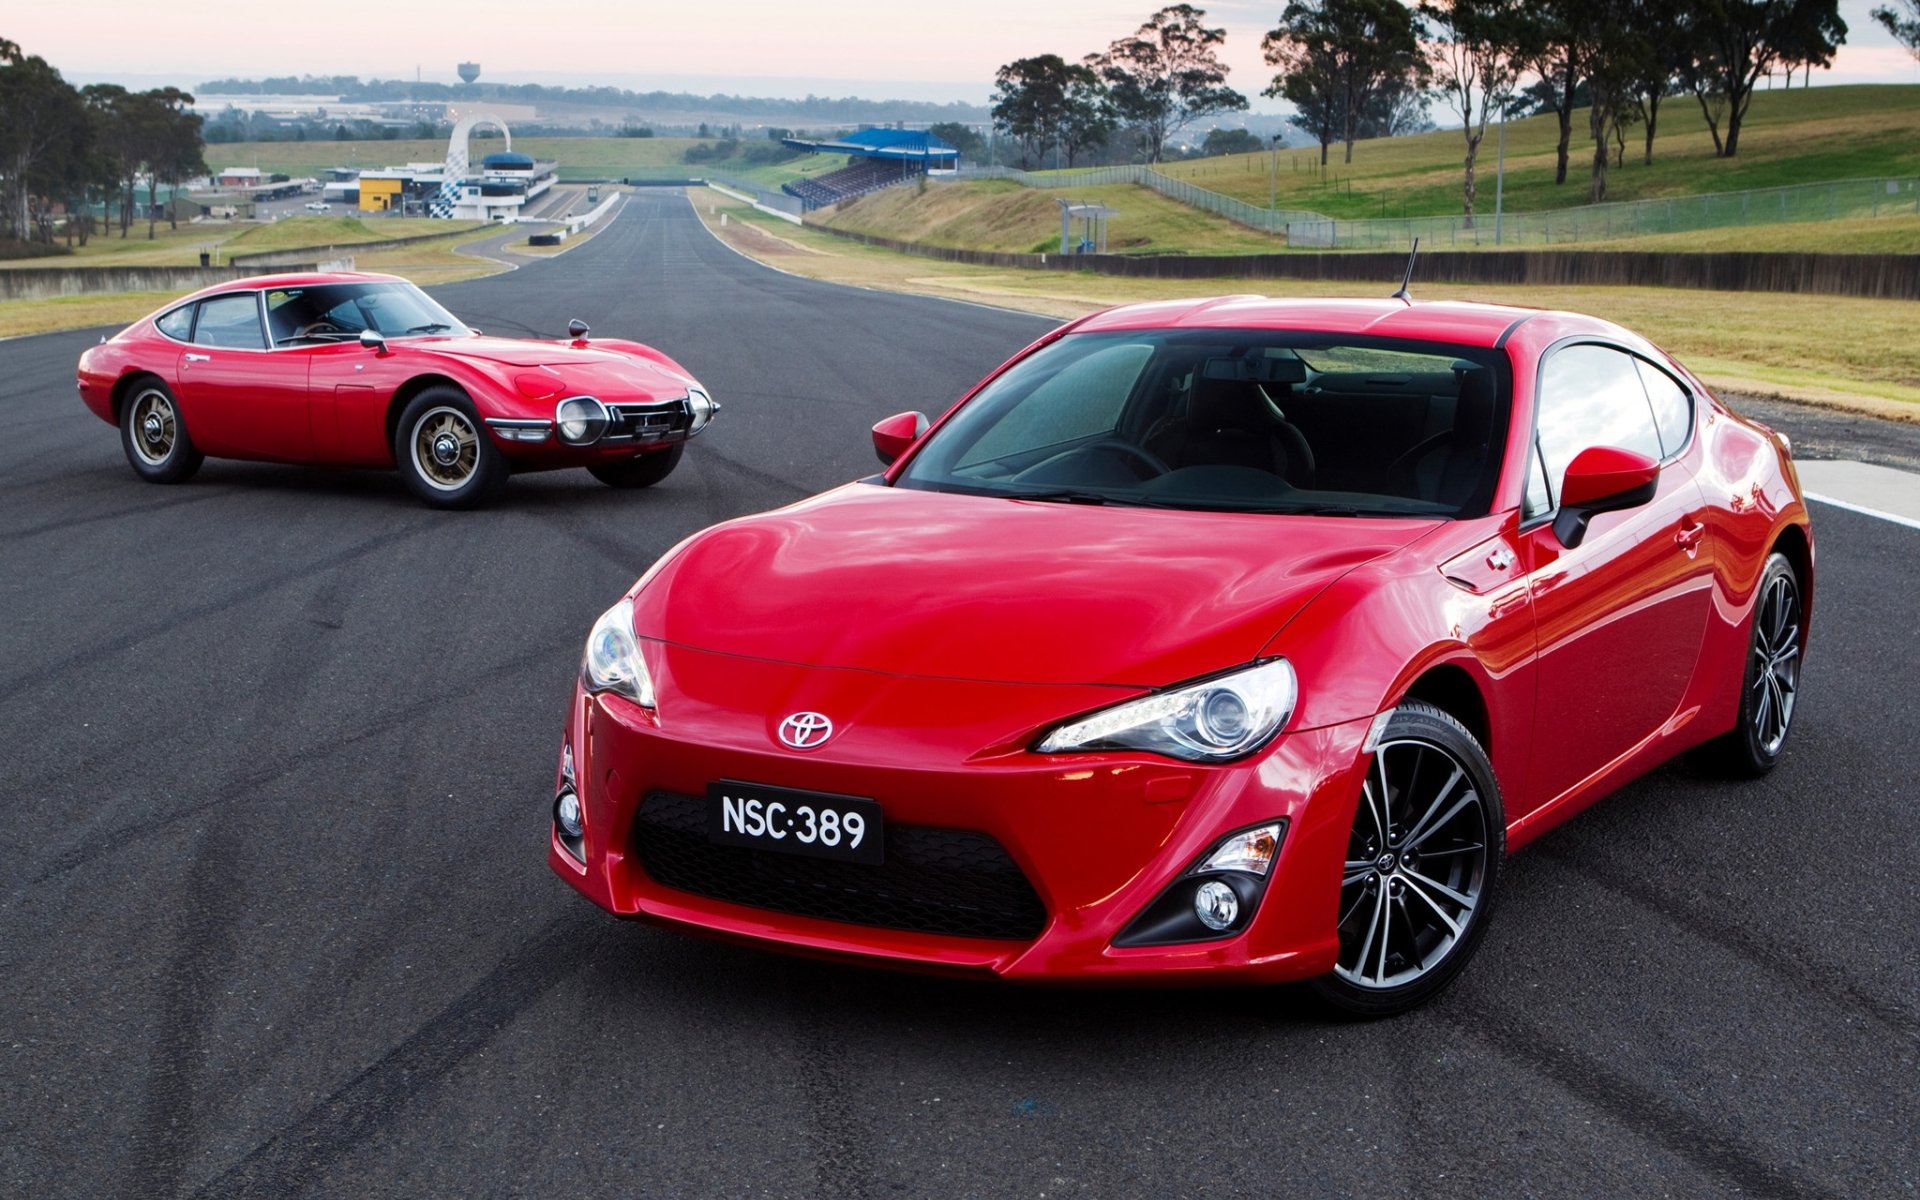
{"type": "Point", "coordinates": [1234, 420]}
{"type": "Point", "coordinates": [331, 312]}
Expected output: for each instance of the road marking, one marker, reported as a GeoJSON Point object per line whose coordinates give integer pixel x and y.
{"type": "Point", "coordinates": [1874, 491]}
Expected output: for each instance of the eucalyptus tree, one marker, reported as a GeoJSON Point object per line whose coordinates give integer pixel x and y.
{"type": "Point", "coordinates": [1477, 48]}
{"type": "Point", "coordinates": [1905, 28]}
{"type": "Point", "coordinates": [1166, 75]}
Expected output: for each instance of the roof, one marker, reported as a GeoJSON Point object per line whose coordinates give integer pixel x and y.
{"type": "Point", "coordinates": [291, 280]}
{"type": "Point", "coordinates": [883, 143]}
{"type": "Point", "coordinates": [1440, 320]}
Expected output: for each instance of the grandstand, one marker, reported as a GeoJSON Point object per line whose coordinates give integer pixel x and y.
{"type": "Point", "coordinates": [876, 158]}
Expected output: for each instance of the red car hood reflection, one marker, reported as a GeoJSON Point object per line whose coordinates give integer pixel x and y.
{"type": "Point", "coordinates": [1008, 591]}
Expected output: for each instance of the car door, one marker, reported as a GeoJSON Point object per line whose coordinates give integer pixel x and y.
{"type": "Point", "coordinates": [241, 399]}
{"type": "Point", "coordinates": [1621, 616]}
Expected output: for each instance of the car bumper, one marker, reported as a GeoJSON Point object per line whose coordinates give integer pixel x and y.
{"type": "Point", "coordinates": [1097, 836]}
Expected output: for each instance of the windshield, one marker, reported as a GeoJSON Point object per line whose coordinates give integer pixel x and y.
{"type": "Point", "coordinates": [1236, 421]}
{"type": "Point", "coordinates": [332, 312]}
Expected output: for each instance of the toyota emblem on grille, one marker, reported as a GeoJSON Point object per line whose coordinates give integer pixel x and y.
{"type": "Point", "coordinates": [805, 730]}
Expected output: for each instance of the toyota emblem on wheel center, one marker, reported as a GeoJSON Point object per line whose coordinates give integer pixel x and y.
{"type": "Point", "coordinates": [805, 730]}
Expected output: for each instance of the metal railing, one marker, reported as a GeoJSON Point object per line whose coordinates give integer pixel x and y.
{"type": "Point", "coordinates": [1838, 200]}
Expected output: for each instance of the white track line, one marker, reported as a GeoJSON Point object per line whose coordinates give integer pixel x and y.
{"type": "Point", "coordinates": [1863, 510]}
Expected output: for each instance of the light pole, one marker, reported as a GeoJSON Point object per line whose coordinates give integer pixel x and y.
{"type": "Point", "coordinates": [1500, 175]}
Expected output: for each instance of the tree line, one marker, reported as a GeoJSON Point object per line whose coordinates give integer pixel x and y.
{"type": "Point", "coordinates": [1354, 69]}
{"type": "Point", "coordinates": [65, 147]}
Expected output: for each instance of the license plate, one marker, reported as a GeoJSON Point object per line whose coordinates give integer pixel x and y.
{"type": "Point", "coordinates": [789, 821]}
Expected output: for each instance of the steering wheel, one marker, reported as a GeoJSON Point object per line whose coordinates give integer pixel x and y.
{"type": "Point", "coordinates": [314, 328]}
{"type": "Point", "coordinates": [1140, 454]}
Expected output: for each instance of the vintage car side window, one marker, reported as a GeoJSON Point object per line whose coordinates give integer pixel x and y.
{"type": "Point", "coordinates": [1592, 396]}
{"type": "Point", "coordinates": [230, 321]}
{"type": "Point", "coordinates": [1672, 406]}
{"type": "Point", "coordinates": [177, 324]}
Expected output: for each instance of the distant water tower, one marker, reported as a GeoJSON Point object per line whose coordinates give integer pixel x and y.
{"type": "Point", "coordinates": [469, 72]}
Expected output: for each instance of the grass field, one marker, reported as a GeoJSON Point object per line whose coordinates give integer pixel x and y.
{"type": "Point", "coordinates": [1789, 137]}
{"type": "Point", "coordinates": [1002, 215]}
{"type": "Point", "coordinates": [1752, 343]}
{"type": "Point", "coordinates": [182, 246]}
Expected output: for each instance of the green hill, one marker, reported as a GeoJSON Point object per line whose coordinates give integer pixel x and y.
{"type": "Point", "coordinates": [1806, 135]}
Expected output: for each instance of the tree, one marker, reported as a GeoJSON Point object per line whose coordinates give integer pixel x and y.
{"type": "Point", "coordinates": [1609, 39]}
{"type": "Point", "coordinates": [1087, 120]}
{"type": "Point", "coordinates": [1742, 40]}
{"type": "Point", "coordinates": [1548, 51]}
{"type": "Point", "coordinates": [1231, 141]}
{"type": "Point", "coordinates": [1476, 67]}
{"type": "Point", "coordinates": [1034, 99]}
{"type": "Point", "coordinates": [1303, 49]}
{"type": "Point", "coordinates": [972, 147]}
{"type": "Point", "coordinates": [174, 151]}
{"type": "Point", "coordinates": [42, 135]}
{"type": "Point", "coordinates": [1343, 59]}
{"type": "Point", "coordinates": [1905, 29]}
{"type": "Point", "coordinates": [1167, 75]}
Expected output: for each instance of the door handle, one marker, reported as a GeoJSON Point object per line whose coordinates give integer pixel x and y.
{"type": "Point", "coordinates": [1688, 538]}
{"type": "Point", "coordinates": [199, 358]}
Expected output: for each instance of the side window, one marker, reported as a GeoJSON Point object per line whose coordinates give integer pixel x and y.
{"type": "Point", "coordinates": [1672, 406]}
{"type": "Point", "coordinates": [1592, 396]}
{"type": "Point", "coordinates": [1081, 400]}
{"type": "Point", "coordinates": [230, 321]}
{"type": "Point", "coordinates": [177, 324]}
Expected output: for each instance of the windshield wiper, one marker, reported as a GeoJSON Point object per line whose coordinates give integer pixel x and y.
{"type": "Point", "coordinates": [432, 327]}
{"type": "Point", "coordinates": [1063, 496]}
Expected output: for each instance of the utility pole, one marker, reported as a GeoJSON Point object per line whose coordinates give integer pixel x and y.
{"type": "Point", "coordinates": [1273, 183]}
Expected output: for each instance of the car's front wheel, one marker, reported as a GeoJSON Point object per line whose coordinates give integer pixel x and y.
{"type": "Point", "coordinates": [1422, 866]}
{"type": "Point", "coordinates": [642, 470]}
{"type": "Point", "coordinates": [155, 437]}
{"type": "Point", "coordinates": [444, 454]}
{"type": "Point", "coordinates": [1770, 685]}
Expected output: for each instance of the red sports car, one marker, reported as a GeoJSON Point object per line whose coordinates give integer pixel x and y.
{"type": "Point", "coordinates": [1232, 639]}
{"type": "Point", "coordinates": [365, 370]}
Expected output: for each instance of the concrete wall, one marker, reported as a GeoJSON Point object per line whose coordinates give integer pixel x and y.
{"type": "Point", "coordinates": [48, 283]}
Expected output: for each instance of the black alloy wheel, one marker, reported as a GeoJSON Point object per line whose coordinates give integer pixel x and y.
{"type": "Point", "coordinates": [1770, 684]}
{"type": "Point", "coordinates": [1422, 866]}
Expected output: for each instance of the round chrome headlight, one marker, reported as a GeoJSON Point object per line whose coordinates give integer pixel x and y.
{"type": "Point", "coordinates": [581, 420]}
{"type": "Point", "coordinates": [701, 408]}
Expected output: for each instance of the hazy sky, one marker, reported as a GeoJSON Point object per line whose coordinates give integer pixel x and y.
{"type": "Point", "coordinates": [754, 47]}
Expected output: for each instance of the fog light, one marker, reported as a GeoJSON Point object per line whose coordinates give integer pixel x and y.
{"type": "Point", "coordinates": [1216, 905]}
{"type": "Point", "coordinates": [567, 812]}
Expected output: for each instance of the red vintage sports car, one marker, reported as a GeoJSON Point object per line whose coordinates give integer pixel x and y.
{"type": "Point", "coordinates": [363, 370]}
{"type": "Point", "coordinates": [1231, 639]}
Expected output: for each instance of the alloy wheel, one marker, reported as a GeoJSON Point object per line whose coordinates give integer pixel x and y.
{"type": "Point", "coordinates": [1416, 866]}
{"type": "Point", "coordinates": [1776, 661]}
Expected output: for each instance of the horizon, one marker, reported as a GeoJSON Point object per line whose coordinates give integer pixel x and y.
{"type": "Point", "coordinates": [954, 66]}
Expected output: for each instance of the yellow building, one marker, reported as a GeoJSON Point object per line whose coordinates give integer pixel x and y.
{"type": "Point", "coordinates": [378, 194]}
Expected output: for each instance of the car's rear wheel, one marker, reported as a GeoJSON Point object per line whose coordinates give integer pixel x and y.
{"type": "Point", "coordinates": [643, 470]}
{"type": "Point", "coordinates": [443, 452]}
{"type": "Point", "coordinates": [1422, 866]}
{"type": "Point", "coordinates": [154, 436]}
{"type": "Point", "coordinates": [1770, 684]}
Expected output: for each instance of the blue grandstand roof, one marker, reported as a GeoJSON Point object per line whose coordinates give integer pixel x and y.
{"type": "Point", "coordinates": [916, 144]}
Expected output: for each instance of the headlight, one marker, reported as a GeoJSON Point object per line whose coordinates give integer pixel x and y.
{"type": "Point", "coordinates": [1211, 721]}
{"type": "Point", "coordinates": [701, 408]}
{"type": "Point", "coordinates": [581, 420]}
{"type": "Point", "coordinates": [612, 662]}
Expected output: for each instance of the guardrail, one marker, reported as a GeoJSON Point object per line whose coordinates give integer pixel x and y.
{"type": "Point", "coordinates": [1889, 276]}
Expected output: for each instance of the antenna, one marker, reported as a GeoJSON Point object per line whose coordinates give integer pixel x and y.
{"type": "Point", "coordinates": [1407, 279]}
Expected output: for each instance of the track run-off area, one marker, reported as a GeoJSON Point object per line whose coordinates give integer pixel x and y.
{"type": "Point", "coordinates": [277, 764]}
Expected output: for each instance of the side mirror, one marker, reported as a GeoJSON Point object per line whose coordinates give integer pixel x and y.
{"type": "Point", "coordinates": [578, 329]}
{"type": "Point", "coordinates": [373, 341]}
{"type": "Point", "coordinates": [893, 436]}
{"type": "Point", "coordinates": [1602, 479]}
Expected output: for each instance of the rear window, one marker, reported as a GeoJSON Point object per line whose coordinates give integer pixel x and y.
{"type": "Point", "coordinates": [177, 324]}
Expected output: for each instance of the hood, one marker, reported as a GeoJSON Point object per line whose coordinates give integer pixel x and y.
{"type": "Point", "coordinates": [540, 370]}
{"type": "Point", "coordinates": [912, 582]}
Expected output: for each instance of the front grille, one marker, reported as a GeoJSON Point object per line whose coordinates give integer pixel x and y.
{"type": "Point", "coordinates": [950, 881]}
{"type": "Point", "coordinates": [646, 423]}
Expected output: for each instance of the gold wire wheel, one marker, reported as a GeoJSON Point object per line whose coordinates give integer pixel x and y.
{"type": "Point", "coordinates": [155, 428]}
{"type": "Point", "coordinates": [446, 448]}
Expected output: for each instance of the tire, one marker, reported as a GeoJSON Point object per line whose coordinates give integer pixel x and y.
{"type": "Point", "coordinates": [444, 453]}
{"type": "Point", "coordinates": [1770, 684]}
{"type": "Point", "coordinates": [642, 470]}
{"type": "Point", "coordinates": [154, 435]}
{"type": "Point", "coordinates": [1418, 885]}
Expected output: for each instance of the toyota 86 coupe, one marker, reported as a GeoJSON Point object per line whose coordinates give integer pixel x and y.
{"type": "Point", "coordinates": [1224, 640]}
{"type": "Point", "coordinates": [363, 370]}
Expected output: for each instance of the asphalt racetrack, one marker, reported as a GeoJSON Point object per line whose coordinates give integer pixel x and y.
{"type": "Point", "coordinates": [277, 755]}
